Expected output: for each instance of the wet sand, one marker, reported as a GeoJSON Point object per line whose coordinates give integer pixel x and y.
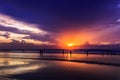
{"type": "Point", "coordinates": [22, 66]}
{"type": "Point", "coordinates": [30, 69]}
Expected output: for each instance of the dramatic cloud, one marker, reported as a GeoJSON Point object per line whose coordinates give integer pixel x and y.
{"type": "Point", "coordinates": [19, 31]}
{"type": "Point", "coordinates": [10, 22]}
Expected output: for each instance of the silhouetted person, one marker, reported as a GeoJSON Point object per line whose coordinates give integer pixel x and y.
{"type": "Point", "coordinates": [70, 51]}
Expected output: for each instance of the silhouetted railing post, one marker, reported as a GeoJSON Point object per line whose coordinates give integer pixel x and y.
{"type": "Point", "coordinates": [23, 51]}
{"type": "Point", "coordinates": [41, 52]}
{"type": "Point", "coordinates": [102, 53]}
{"type": "Point", "coordinates": [87, 53]}
{"type": "Point", "coordinates": [63, 52]}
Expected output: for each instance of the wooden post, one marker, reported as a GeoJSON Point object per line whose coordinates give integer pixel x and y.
{"type": "Point", "coordinates": [87, 53]}
{"type": "Point", "coordinates": [63, 52]}
{"type": "Point", "coordinates": [102, 53]}
{"type": "Point", "coordinates": [41, 52]}
{"type": "Point", "coordinates": [23, 51]}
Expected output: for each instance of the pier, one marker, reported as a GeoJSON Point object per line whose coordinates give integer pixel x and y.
{"type": "Point", "coordinates": [64, 51]}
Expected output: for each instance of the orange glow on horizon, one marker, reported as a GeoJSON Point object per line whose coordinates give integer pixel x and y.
{"type": "Point", "coordinates": [68, 41]}
{"type": "Point", "coordinates": [73, 39]}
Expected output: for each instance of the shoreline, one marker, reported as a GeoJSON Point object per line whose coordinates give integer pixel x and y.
{"type": "Point", "coordinates": [78, 61]}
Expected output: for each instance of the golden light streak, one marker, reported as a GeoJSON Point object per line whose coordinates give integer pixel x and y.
{"type": "Point", "coordinates": [17, 36]}
{"type": "Point", "coordinates": [5, 40]}
{"type": "Point", "coordinates": [20, 37]}
{"type": "Point", "coordinates": [8, 21]}
{"type": "Point", "coordinates": [21, 70]}
{"type": "Point", "coordinates": [19, 66]}
{"type": "Point", "coordinates": [37, 42]}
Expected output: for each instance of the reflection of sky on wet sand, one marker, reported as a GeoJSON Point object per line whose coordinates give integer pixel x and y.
{"type": "Point", "coordinates": [19, 70]}
{"type": "Point", "coordinates": [90, 57]}
{"type": "Point", "coordinates": [10, 62]}
{"type": "Point", "coordinates": [17, 66]}
{"type": "Point", "coordinates": [46, 69]}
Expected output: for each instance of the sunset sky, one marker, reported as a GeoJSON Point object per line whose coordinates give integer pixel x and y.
{"type": "Point", "coordinates": [56, 22]}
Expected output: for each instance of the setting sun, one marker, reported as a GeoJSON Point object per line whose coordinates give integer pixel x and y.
{"type": "Point", "coordinates": [71, 44]}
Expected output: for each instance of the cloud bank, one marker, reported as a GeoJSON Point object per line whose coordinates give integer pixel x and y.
{"type": "Point", "coordinates": [16, 30]}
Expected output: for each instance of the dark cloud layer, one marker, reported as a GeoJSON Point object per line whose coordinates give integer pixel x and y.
{"type": "Point", "coordinates": [57, 14]}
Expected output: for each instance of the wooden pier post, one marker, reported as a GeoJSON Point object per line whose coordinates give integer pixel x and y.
{"type": "Point", "coordinates": [23, 51]}
{"type": "Point", "coordinates": [87, 53]}
{"type": "Point", "coordinates": [102, 53]}
{"type": "Point", "coordinates": [63, 52]}
{"type": "Point", "coordinates": [41, 52]}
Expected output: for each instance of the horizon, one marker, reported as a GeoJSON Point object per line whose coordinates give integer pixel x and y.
{"type": "Point", "coordinates": [25, 46]}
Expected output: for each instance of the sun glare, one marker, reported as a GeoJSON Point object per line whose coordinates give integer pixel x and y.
{"type": "Point", "coordinates": [71, 44]}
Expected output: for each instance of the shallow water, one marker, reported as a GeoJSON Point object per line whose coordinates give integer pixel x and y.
{"type": "Point", "coordinates": [33, 69]}
{"type": "Point", "coordinates": [91, 57]}
{"type": "Point", "coordinates": [29, 69]}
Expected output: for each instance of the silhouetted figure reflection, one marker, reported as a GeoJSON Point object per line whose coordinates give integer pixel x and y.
{"type": "Point", "coordinates": [70, 54]}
